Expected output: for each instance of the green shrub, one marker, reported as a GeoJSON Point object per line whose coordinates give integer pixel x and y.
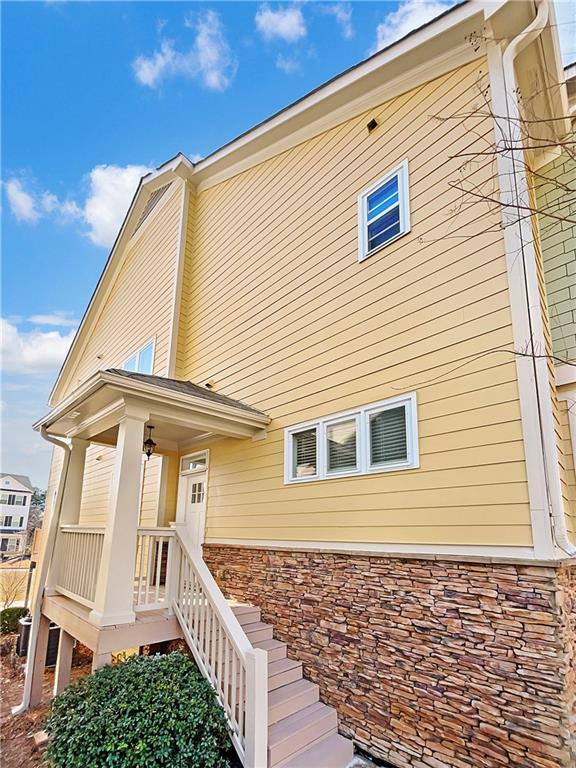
{"type": "Point", "coordinates": [146, 712]}
{"type": "Point", "coordinates": [9, 618]}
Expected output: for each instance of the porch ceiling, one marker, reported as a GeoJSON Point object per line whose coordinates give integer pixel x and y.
{"type": "Point", "coordinates": [180, 411]}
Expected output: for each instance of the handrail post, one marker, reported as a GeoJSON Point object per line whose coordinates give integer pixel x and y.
{"type": "Point", "coordinates": [256, 709]}
{"type": "Point", "coordinates": [172, 573]}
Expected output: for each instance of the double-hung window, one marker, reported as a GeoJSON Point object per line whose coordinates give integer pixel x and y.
{"type": "Point", "coordinates": [381, 437]}
{"type": "Point", "coordinates": [383, 212]}
{"type": "Point", "coordinates": [141, 361]}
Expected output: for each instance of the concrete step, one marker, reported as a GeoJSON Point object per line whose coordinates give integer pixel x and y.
{"type": "Point", "coordinates": [246, 614]}
{"type": "Point", "coordinates": [285, 701]}
{"type": "Point", "coordinates": [258, 631]}
{"type": "Point", "coordinates": [283, 672]}
{"type": "Point", "coordinates": [276, 649]}
{"type": "Point", "coordinates": [332, 751]}
{"type": "Point", "coordinates": [292, 734]}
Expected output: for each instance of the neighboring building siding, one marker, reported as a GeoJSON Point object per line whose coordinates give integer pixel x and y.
{"type": "Point", "coordinates": [556, 194]}
{"type": "Point", "coordinates": [569, 486]}
{"type": "Point", "coordinates": [280, 314]}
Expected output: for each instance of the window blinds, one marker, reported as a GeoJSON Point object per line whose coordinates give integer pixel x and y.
{"type": "Point", "coordinates": [305, 459]}
{"type": "Point", "coordinates": [388, 442]}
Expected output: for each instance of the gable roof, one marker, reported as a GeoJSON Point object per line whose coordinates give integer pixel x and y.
{"type": "Point", "coordinates": [184, 387]}
{"type": "Point", "coordinates": [22, 479]}
{"type": "Point", "coordinates": [423, 54]}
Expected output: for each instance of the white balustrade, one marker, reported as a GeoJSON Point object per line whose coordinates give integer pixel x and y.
{"type": "Point", "coordinates": [237, 671]}
{"type": "Point", "coordinates": [153, 564]}
{"type": "Point", "coordinates": [77, 557]}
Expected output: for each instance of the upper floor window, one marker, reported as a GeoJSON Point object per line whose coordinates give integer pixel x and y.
{"type": "Point", "coordinates": [381, 437]}
{"type": "Point", "coordinates": [8, 522]}
{"type": "Point", "coordinates": [141, 361]}
{"type": "Point", "coordinates": [383, 211]}
{"type": "Point", "coordinates": [13, 499]}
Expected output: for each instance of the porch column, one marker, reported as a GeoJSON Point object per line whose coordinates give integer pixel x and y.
{"type": "Point", "coordinates": [114, 598]}
{"type": "Point", "coordinates": [71, 498]}
{"type": "Point", "coordinates": [39, 666]}
{"type": "Point", "coordinates": [63, 662]}
{"type": "Point", "coordinates": [74, 480]}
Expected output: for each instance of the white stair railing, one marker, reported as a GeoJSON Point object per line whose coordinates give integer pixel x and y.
{"type": "Point", "coordinates": [153, 564]}
{"type": "Point", "coordinates": [77, 558]}
{"type": "Point", "coordinates": [237, 671]}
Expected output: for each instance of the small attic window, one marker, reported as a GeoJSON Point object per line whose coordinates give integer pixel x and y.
{"type": "Point", "coordinates": [153, 201]}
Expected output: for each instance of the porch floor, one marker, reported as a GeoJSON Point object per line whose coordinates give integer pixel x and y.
{"type": "Point", "coordinates": [154, 626]}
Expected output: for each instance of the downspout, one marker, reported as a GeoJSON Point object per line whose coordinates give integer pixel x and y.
{"type": "Point", "coordinates": [36, 607]}
{"type": "Point", "coordinates": [512, 50]}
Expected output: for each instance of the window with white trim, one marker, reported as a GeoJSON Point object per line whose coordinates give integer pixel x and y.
{"type": "Point", "coordinates": [381, 437]}
{"type": "Point", "coordinates": [383, 212]}
{"type": "Point", "coordinates": [141, 361]}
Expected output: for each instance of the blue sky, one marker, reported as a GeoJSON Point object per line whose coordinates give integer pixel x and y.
{"type": "Point", "coordinates": [96, 93]}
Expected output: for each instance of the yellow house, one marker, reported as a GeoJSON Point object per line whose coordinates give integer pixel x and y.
{"type": "Point", "coordinates": [332, 337]}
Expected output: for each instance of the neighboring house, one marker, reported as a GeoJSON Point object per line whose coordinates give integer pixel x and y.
{"type": "Point", "coordinates": [16, 493]}
{"type": "Point", "coordinates": [359, 506]}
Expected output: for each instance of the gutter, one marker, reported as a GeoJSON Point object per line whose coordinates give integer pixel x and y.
{"type": "Point", "coordinates": [36, 607]}
{"type": "Point", "coordinates": [514, 136]}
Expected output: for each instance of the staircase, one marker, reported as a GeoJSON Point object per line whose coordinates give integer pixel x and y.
{"type": "Point", "coordinates": [275, 717]}
{"type": "Point", "coordinates": [302, 732]}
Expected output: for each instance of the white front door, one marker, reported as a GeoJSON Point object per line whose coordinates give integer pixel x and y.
{"type": "Point", "coordinates": [195, 501]}
{"type": "Point", "coordinates": [192, 496]}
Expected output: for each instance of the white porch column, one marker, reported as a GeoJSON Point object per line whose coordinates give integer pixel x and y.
{"type": "Point", "coordinates": [71, 498]}
{"type": "Point", "coordinates": [74, 481]}
{"type": "Point", "coordinates": [114, 598]}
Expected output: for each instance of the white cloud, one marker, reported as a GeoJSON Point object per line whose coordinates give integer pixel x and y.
{"type": "Point", "coordinates": [196, 157]}
{"type": "Point", "coordinates": [210, 60]}
{"type": "Point", "coordinates": [22, 204]}
{"type": "Point", "coordinates": [342, 12]}
{"type": "Point", "coordinates": [150, 70]}
{"type": "Point", "coordinates": [409, 15]}
{"type": "Point", "coordinates": [112, 188]}
{"type": "Point", "coordinates": [59, 318]}
{"type": "Point", "coordinates": [32, 352]}
{"type": "Point", "coordinates": [284, 23]}
{"type": "Point", "coordinates": [287, 64]}
{"type": "Point", "coordinates": [110, 191]}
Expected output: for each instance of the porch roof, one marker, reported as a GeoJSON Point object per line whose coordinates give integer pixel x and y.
{"type": "Point", "coordinates": [182, 412]}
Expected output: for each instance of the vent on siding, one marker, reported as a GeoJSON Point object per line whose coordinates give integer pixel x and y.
{"type": "Point", "coordinates": [153, 201]}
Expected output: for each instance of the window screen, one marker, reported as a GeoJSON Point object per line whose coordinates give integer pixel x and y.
{"type": "Point", "coordinates": [388, 439]}
{"type": "Point", "coordinates": [341, 446]}
{"type": "Point", "coordinates": [304, 453]}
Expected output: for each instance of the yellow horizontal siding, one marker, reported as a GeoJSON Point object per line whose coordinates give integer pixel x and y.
{"type": "Point", "coordinates": [140, 304]}
{"type": "Point", "coordinates": [279, 313]}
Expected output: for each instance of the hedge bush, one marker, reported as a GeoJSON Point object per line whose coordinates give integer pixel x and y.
{"type": "Point", "coordinates": [9, 618]}
{"type": "Point", "coordinates": [146, 712]}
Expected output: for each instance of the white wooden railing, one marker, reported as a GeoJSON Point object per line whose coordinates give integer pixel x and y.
{"type": "Point", "coordinates": [153, 564]}
{"type": "Point", "coordinates": [77, 561]}
{"type": "Point", "coordinates": [237, 671]}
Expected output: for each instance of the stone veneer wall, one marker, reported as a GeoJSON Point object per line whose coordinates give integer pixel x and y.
{"type": "Point", "coordinates": [429, 663]}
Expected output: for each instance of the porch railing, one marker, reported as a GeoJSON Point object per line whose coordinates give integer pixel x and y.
{"type": "Point", "coordinates": [153, 564]}
{"type": "Point", "coordinates": [77, 561]}
{"type": "Point", "coordinates": [237, 671]}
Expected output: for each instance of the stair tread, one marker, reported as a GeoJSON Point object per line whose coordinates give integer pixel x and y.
{"type": "Point", "coordinates": [284, 729]}
{"type": "Point", "coordinates": [255, 626]}
{"type": "Point", "coordinates": [282, 665]}
{"type": "Point", "coordinates": [333, 751]}
{"type": "Point", "coordinates": [289, 691]}
{"type": "Point", "coordinates": [269, 645]}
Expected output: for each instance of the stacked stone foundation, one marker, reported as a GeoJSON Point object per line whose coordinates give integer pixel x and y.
{"type": "Point", "coordinates": [429, 663]}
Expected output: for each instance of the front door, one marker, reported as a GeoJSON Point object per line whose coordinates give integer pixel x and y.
{"type": "Point", "coordinates": [192, 501]}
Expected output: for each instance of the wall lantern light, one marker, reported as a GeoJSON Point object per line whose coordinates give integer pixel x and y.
{"type": "Point", "coordinates": [149, 444]}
